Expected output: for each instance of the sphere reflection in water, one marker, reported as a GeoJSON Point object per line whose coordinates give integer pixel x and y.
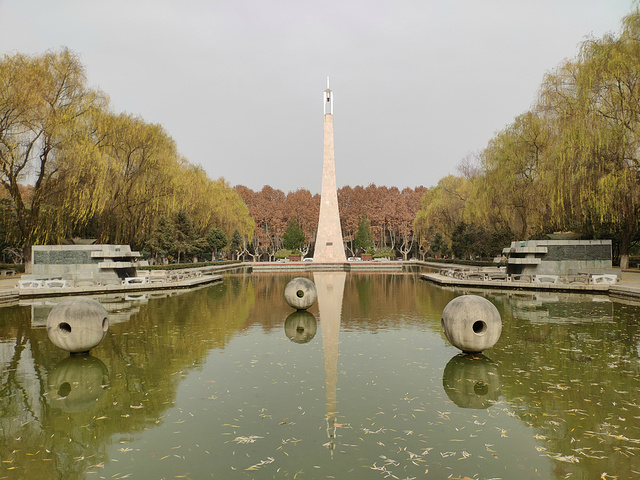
{"type": "Point", "coordinates": [472, 381]}
{"type": "Point", "coordinates": [77, 383]}
{"type": "Point", "coordinates": [300, 326]}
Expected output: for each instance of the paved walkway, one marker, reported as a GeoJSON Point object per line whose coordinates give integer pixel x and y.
{"type": "Point", "coordinates": [9, 292]}
{"type": "Point", "coordinates": [8, 282]}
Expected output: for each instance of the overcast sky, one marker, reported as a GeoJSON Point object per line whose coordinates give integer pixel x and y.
{"type": "Point", "coordinates": [418, 84]}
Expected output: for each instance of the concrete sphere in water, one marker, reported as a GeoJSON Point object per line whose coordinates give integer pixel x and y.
{"type": "Point", "coordinates": [77, 324]}
{"type": "Point", "coordinates": [300, 293]}
{"type": "Point", "coordinates": [471, 323]}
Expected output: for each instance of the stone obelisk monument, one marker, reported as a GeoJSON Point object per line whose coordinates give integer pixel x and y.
{"type": "Point", "coordinates": [329, 245]}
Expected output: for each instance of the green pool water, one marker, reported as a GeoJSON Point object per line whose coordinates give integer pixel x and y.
{"type": "Point", "coordinates": [227, 382]}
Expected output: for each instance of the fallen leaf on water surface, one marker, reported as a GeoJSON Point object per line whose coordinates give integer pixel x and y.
{"type": "Point", "coordinates": [246, 440]}
{"type": "Point", "coordinates": [564, 458]}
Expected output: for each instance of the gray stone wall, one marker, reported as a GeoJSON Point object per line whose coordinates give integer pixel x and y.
{"type": "Point", "coordinates": [597, 252]}
{"type": "Point", "coordinates": [564, 257]}
{"type": "Point", "coordinates": [74, 262]}
{"type": "Point", "coordinates": [568, 267]}
{"type": "Point", "coordinates": [63, 257]}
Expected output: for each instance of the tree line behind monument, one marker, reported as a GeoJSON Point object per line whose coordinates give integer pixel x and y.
{"type": "Point", "coordinates": [71, 167]}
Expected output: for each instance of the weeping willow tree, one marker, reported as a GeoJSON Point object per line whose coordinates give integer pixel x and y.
{"type": "Point", "coordinates": [44, 106]}
{"type": "Point", "coordinates": [593, 103]}
{"type": "Point", "coordinates": [70, 166]}
{"type": "Point", "coordinates": [212, 203]}
{"type": "Point", "coordinates": [138, 166]}
{"type": "Point", "coordinates": [508, 194]}
{"type": "Point", "coordinates": [442, 208]}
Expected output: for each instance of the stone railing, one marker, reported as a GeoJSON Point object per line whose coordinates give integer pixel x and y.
{"type": "Point", "coordinates": [496, 275]}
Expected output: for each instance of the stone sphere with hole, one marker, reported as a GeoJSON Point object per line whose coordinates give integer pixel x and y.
{"type": "Point", "coordinates": [77, 324]}
{"type": "Point", "coordinates": [471, 323]}
{"type": "Point", "coordinates": [300, 293]}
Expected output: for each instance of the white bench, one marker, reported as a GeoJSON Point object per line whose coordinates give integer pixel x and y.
{"type": "Point", "coordinates": [157, 276]}
{"type": "Point", "coordinates": [546, 279]}
{"type": "Point", "coordinates": [30, 283]}
{"type": "Point", "coordinates": [518, 277]}
{"type": "Point", "coordinates": [497, 276]}
{"type": "Point", "coordinates": [606, 278]}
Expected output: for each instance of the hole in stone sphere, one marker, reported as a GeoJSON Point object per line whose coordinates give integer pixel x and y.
{"type": "Point", "coordinates": [300, 329]}
{"type": "Point", "coordinates": [105, 324]}
{"type": "Point", "coordinates": [300, 293]}
{"type": "Point", "coordinates": [479, 327]}
{"type": "Point", "coordinates": [65, 328]}
{"type": "Point", "coordinates": [64, 390]}
{"type": "Point", "coordinates": [481, 388]}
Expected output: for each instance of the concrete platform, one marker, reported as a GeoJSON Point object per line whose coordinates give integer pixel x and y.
{"type": "Point", "coordinates": [8, 296]}
{"type": "Point", "coordinates": [625, 290]}
{"type": "Point", "coordinates": [628, 288]}
{"type": "Point", "coordinates": [501, 284]}
{"type": "Point", "coordinates": [10, 293]}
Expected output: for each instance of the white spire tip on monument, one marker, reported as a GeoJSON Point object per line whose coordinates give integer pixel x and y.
{"type": "Point", "coordinates": [327, 82]}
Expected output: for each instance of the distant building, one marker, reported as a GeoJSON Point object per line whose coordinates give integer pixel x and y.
{"type": "Point", "coordinates": [559, 257]}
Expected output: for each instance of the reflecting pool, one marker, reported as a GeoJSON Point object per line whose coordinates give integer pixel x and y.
{"type": "Point", "coordinates": [227, 382]}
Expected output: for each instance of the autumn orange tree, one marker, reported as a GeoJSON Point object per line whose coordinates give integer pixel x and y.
{"type": "Point", "coordinates": [389, 210]}
{"type": "Point", "coordinates": [304, 208]}
{"type": "Point", "coordinates": [351, 208]}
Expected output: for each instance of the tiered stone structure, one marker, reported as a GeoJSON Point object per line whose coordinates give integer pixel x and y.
{"type": "Point", "coordinates": [559, 257]}
{"type": "Point", "coordinates": [329, 244]}
{"type": "Point", "coordinates": [101, 263]}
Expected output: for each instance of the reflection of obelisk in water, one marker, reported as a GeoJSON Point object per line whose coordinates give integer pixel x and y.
{"type": "Point", "coordinates": [329, 246]}
{"type": "Point", "coordinates": [330, 287]}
